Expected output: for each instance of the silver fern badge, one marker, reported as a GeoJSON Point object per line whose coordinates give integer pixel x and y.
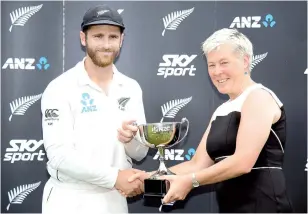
{"type": "Point", "coordinates": [256, 59]}
{"type": "Point", "coordinates": [18, 195]}
{"type": "Point", "coordinates": [171, 108]}
{"type": "Point", "coordinates": [21, 105]}
{"type": "Point", "coordinates": [122, 102]}
{"type": "Point", "coordinates": [120, 11]}
{"type": "Point", "coordinates": [21, 15]}
{"type": "Point", "coordinates": [173, 20]}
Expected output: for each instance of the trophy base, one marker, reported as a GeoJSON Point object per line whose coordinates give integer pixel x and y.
{"type": "Point", "coordinates": [155, 188]}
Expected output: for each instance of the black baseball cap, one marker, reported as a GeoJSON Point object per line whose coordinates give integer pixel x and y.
{"type": "Point", "coordinates": [102, 15]}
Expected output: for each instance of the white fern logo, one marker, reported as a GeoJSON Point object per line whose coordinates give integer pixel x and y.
{"type": "Point", "coordinates": [171, 108]}
{"type": "Point", "coordinates": [256, 59]}
{"type": "Point", "coordinates": [21, 105]}
{"type": "Point", "coordinates": [120, 11]}
{"type": "Point", "coordinates": [18, 195]}
{"type": "Point", "coordinates": [173, 20]}
{"type": "Point", "coordinates": [21, 15]}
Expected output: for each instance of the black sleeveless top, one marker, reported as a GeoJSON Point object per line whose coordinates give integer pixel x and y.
{"type": "Point", "coordinates": [263, 189]}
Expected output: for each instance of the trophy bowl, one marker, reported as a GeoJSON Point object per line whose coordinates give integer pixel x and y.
{"type": "Point", "coordinates": [160, 136]}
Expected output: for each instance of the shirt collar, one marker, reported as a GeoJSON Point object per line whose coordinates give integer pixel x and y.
{"type": "Point", "coordinates": [84, 79]}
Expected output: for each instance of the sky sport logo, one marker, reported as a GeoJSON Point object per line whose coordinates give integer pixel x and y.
{"type": "Point", "coordinates": [176, 65]}
{"type": "Point", "coordinates": [24, 150]}
{"type": "Point", "coordinates": [180, 65]}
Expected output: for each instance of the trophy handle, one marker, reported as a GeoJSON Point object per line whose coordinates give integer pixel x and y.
{"type": "Point", "coordinates": [138, 132]}
{"type": "Point", "coordinates": [134, 136]}
{"type": "Point", "coordinates": [182, 121]}
{"type": "Point", "coordinates": [139, 138]}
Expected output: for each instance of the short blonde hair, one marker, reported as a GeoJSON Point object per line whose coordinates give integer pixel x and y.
{"type": "Point", "coordinates": [241, 43]}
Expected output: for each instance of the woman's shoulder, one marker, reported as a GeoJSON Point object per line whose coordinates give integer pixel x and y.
{"type": "Point", "coordinates": [256, 92]}
{"type": "Point", "coordinates": [262, 91]}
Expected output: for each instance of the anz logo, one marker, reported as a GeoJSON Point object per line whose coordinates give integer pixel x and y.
{"type": "Point", "coordinates": [253, 22]}
{"type": "Point", "coordinates": [87, 103]}
{"type": "Point", "coordinates": [177, 154]}
{"type": "Point", "coordinates": [26, 64]}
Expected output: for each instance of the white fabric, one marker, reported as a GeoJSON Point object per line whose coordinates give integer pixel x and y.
{"type": "Point", "coordinates": [81, 140]}
{"type": "Point", "coordinates": [71, 200]}
{"type": "Point", "coordinates": [236, 104]}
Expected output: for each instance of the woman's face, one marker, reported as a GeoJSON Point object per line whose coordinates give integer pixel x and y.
{"type": "Point", "coordinates": [227, 68]}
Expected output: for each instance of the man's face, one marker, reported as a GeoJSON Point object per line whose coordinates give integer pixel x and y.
{"type": "Point", "coordinates": [103, 43]}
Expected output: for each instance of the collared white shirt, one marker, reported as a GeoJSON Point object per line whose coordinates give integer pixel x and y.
{"type": "Point", "coordinates": [80, 127]}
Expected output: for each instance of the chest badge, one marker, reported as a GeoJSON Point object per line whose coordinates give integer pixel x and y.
{"type": "Point", "coordinates": [87, 103]}
{"type": "Point", "coordinates": [122, 102]}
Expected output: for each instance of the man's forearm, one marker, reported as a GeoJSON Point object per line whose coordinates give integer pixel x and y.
{"type": "Point", "coordinates": [75, 165]}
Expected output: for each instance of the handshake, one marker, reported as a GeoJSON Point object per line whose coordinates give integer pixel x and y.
{"type": "Point", "coordinates": [130, 182]}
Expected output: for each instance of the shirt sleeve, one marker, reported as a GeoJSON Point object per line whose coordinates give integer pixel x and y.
{"type": "Point", "coordinates": [58, 129]}
{"type": "Point", "coordinates": [135, 149]}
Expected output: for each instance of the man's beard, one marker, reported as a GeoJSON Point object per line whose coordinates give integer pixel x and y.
{"type": "Point", "coordinates": [101, 60]}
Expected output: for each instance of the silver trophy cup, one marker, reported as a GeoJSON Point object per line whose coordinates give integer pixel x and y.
{"type": "Point", "coordinates": [161, 136]}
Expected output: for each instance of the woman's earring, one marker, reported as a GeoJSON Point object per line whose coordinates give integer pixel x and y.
{"type": "Point", "coordinates": [245, 73]}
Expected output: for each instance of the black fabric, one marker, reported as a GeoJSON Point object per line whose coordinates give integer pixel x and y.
{"type": "Point", "coordinates": [261, 190]}
{"type": "Point", "coordinates": [102, 14]}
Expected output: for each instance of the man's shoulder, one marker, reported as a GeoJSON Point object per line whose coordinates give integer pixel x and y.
{"type": "Point", "coordinates": [130, 82]}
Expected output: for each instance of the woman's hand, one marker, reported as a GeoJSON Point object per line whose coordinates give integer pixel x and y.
{"type": "Point", "coordinates": [180, 186]}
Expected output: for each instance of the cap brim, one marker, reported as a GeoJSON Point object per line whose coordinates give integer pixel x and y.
{"type": "Point", "coordinates": [103, 22]}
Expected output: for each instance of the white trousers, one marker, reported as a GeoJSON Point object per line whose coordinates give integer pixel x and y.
{"type": "Point", "coordinates": [71, 200]}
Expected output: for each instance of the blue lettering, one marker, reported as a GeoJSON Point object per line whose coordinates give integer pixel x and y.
{"type": "Point", "coordinates": [88, 109]}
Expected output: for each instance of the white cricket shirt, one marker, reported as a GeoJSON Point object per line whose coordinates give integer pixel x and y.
{"type": "Point", "coordinates": [80, 127]}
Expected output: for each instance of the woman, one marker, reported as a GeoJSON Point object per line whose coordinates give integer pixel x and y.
{"type": "Point", "coordinates": [242, 149]}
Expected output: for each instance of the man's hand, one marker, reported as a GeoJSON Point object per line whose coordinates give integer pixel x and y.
{"type": "Point", "coordinates": [127, 131]}
{"type": "Point", "coordinates": [140, 176]}
{"type": "Point", "coordinates": [128, 189]}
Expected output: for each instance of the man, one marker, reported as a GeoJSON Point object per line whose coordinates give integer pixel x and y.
{"type": "Point", "coordinates": [88, 113]}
